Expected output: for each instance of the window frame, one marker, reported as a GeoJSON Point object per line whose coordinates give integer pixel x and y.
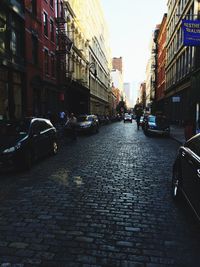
{"type": "Point", "coordinates": [46, 61]}
{"type": "Point", "coordinates": [45, 23]}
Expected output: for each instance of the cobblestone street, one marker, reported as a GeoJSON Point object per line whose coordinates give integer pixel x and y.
{"type": "Point", "coordinates": [102, 201]}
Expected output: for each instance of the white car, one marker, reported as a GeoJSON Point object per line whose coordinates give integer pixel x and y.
{"type": "Point", "coordinates": [127, 117]}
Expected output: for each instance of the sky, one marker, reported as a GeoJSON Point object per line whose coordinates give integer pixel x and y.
{"type": "Point", "coordinates": [131, 24]}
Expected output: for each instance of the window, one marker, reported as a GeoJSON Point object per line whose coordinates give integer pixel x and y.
{"type": "Point", "coordinates": [34, 7]}
{"type": "Point", "coordinates": [61, 10]}
{"type": "Point", "coordinates": [45, 21]}
{"type": "Point", "coordinates": [34, 50]}
{"type": "Point", "coordinates": [53, 65]}
{"type": "Point", "coordinates": [13, 42]}
{"type": "Point", "coordinates": [51, 3]}
{"type": "Point", "coordinates": [2, 30]}
{"type": "Point", "coordinates": [46, 61]}
{"type": "Point", "coordinates": [52, 30]}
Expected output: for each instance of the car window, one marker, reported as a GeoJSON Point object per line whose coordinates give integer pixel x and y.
{"type": "Point", "coordinates": [194, 145]}
{"type": "Point", "coordinates": [82, 119]}
{"type": "Point", "coordinates": [152, 119]}
{"type": "Point", "coordinates": [44, 125]}
{"type": "Point", "coordinates": [36, 127]}
{"type": "Point", "coordinates": [90, 118]}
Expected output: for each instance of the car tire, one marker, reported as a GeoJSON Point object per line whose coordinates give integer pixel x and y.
{"type": "Point", "coordinates": [175, 190]}
{"type": "Point", "coordinates": [54, 150]}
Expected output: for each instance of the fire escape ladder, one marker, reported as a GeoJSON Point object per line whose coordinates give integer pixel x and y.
{"type": "Point", "coordinates": [64, 45]}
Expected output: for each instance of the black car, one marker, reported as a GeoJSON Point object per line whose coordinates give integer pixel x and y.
{"type": "Point", "coordinates": [186, 174]}
{"type": "Point", "coordinates": [24, 141]}
{"type": "Point", "coordinates": [87, 123]}
{"type": "Point", "coordinates": [156, 125]}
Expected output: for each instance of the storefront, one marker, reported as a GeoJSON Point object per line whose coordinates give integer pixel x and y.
{"type": "Point", "coordinates": [11, 94]}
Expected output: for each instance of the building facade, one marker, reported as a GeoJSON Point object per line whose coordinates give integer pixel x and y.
{"type": "Point", "coordinates": [90, 60]}
{"type": "Point", "coordinates": [12, 59]}
{"type": "Point", "coordinates": [43, 91]}
{"type": "Point", "coordinates": [182, 65]}
{"type": "Point", "coordinates": [151, 72]}
{"type": "Point", "coordinates": [142, 95]}
{"type": "Point", "coordinates": [161, 62]}
{"type": "Point", "coordinates": [117, 64]}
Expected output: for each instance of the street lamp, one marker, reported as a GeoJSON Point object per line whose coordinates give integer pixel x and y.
{"type": "Point", "coordinates": [92, 66]}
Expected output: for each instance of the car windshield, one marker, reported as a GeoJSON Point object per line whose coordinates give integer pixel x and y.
{"type": "Point", "coordinates": [90, 119]}
{"type": "Point", "coordinates": [82, 118]}
{"type": "Point", "coordinates": [14, 128]}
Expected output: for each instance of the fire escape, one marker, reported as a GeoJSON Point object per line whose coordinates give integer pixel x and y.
{"type": "Point", "coordinates": [64, 45]}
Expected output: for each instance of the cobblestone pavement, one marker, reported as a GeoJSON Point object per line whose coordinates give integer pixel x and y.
{"type": "Point", "coordinates": [102, 201]}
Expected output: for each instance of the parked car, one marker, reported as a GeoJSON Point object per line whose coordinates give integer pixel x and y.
{"type": "Point", "coordinates": [142, 121]}
{"type": "Point", "coordinates": [24, 141]}
{"type": "Point", "coordinates": [157, 125]}
{"type": "Point", "coordinates": [186, 174]}
{"type": "Point", "coordinates": [127, 117]}
{"type": "Point", "coordinates": [87, 123]}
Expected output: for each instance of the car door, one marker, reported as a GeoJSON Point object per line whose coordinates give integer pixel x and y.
{"type": "Point", "coordinates": [191, 173]}
{"type": "Point", "coordinates": [45, 135]}
{"type": "Point", "coordinates": [37, 139]}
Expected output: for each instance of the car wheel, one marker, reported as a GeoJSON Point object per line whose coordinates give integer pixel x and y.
{"type": "Point", "coordinates": [176, 178]}
{"type": "Point", "coordinates": [54, 148]}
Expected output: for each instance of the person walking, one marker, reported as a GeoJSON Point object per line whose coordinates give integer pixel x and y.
{"type": "Point", "coordinates": [138, 113]}
{"type": "Point", "coordinates": [62, 117]}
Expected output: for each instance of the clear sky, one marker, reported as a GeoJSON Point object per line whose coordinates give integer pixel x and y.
{"type": "Point", "coordinates": [131, 24]}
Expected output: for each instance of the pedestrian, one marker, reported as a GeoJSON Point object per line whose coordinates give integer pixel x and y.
{"type": "Point", "coordinates": [62, 117]}
{"type": "Point", "coordinates": [72, 123]}
{"type": "Point", "coordinates": [138, 113]}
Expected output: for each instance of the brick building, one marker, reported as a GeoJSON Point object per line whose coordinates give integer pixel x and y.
{"type": "Point", "coordinates": [161, 61]}
{"type": "Point", "coordinates": [43, 94]}
{"type": "Point", "coordinates": [117, 64]}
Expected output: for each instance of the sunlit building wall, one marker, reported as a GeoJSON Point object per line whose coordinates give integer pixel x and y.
{"type": "Point", "coordinates": [160, 85]}
{"type": "Point", "coordinates": [89, 31]}
{"type": "Point", "coordinates": [142, 95]}
{"type": "Point", "coordinates": [148, 84]}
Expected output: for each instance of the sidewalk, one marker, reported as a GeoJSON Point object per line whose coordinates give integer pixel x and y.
{"type": "Point", "coordinates": [177, 133]}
